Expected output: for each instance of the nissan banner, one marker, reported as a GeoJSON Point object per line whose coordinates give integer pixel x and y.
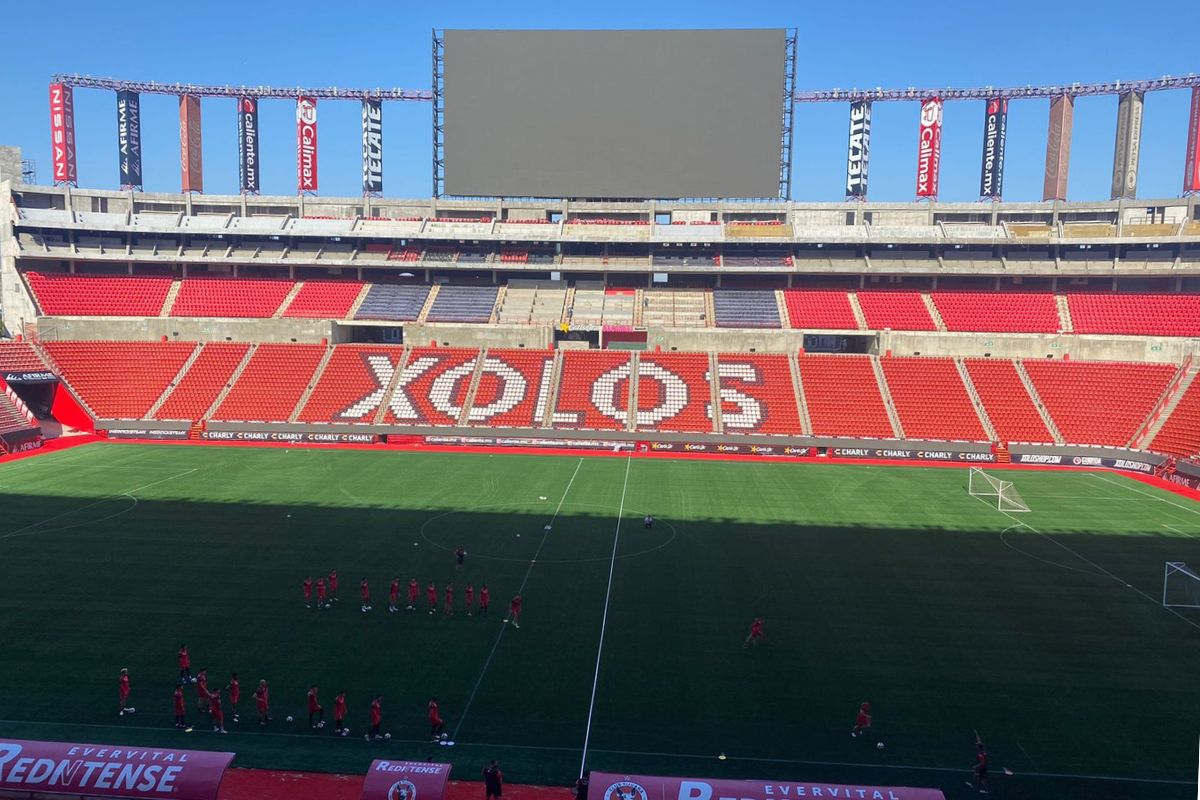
{"type": "Point", "coordinates": [929, 147]}
{"type": "Point", "coordinates": [858, 151]}
{"type": "Point", "coordinates": [247, 126]}
{"type": "Point", "coordinates": [372, 147]}
{"type": "Point", "coordinates": [613, 786]}
{"type": "Point", "coordinates": [995, 133]}
{"type": "Point", "coordinates": [129, 138]}
{"type": "Point", "coordinates": [46, 769]}
{"type": "Point", "coordinates": [62, 133]}
{"type": "Point", "coordinates": [405, 780]}
{"type": "Point", "coordinates": [1191, 170]}
{"type": "Point", "coordinates": [306, 144]}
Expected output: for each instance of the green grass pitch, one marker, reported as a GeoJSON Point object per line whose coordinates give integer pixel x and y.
{"type": "Point", "coordinates": [885, 584]}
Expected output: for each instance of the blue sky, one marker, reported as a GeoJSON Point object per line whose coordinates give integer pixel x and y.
{"type": "Point", "coordinates": [896, 44]}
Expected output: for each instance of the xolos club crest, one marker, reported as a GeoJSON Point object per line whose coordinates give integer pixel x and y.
{"type": "Point", "coordinates": [402, 790]}
{"type": "Point", "coordinates": [625, 790]}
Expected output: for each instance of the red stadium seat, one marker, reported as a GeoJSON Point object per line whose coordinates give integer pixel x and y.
{"type": "Point", "coordinates": [510, 387]}
{"type": "Point", "coordinates": [1001, 312]}
{"type": "Point", "coordinates": [578, 390]}
{"type": "Point", "coordinates": [351, 389]}
{"type": "Point", "coordinates": [324, 300]}
{"type": "Point", "coordinates": [99, 295]}
{"type": "Point", "coordinates": [757, 394]}
{"type": "Point", "coordinates": [119, 380]}
{"type": "Point", "coordinates": [1006, 401]}
{"type": "Point", "coordinates": [230, 297]}
{"type": "Point", "coordinates": [821, 309]}
{"type": "Point", "coordinates": [898, 310]}
{"type": "Point", "coordinates": [271, 384]}
{"type": "Point", "coordinates": [843, 397]}
{"type": "Point", "coordinates": [1136, 314]}
{"type": "Point", "coordinates": [674, 393]}
{"type": "Point", "coordinates": [931, 400]}
{"type": "Point", "coordinates": [432, 387]}
{"type": "Point", "coordinates": [198, 389]}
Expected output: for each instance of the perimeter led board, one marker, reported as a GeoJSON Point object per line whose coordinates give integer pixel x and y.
{"type": "Point", "coordinates": [613, 114]}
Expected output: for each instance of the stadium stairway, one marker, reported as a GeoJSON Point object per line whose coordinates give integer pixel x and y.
{"type": "Point", "coordinates": [1170, 401]}
{"type": "Point", "coordinates": [976, 400]}
{"type": "Point", "coordinates": [714, 395]}
{"type": "Point", "coordinates": [1047, 420]}
{"type": "Point", "coordinates": [390, 390]}
{"type": "Point", "coordinates": [631, 419]}
{"type": "Point", "coordinates": [932, 308]}
{"type": "Point", "coordinates": [228, 387]}
{"type": "Point", "coordinates": [1064, 313]}
{"type": "Point", "coordinates": [312, 383]}
{"type": "Point", "coordinates": [472, 388]}
{"type": "Point", "coordinates": [174, 382]}
{"type": "Point", "coordinates": [547, 413]}
{"type": "Point", "coordinates": [856, 307]}
{"type": "Point", "coordinates": [288, 299]}
{"type": "Point", "coordinates": [169, 303]}
{"type": "Point", "coordinates": [423, 317]}
{"type": "Point", "coordinates": [886, 393]}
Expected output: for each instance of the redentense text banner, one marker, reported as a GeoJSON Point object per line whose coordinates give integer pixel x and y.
{"type": "Point", "coordinates": [405, 780]}
{"type": "Point", "coordinates": [611, 786]}
{"type": "Point", "coordinates": [43, 769]}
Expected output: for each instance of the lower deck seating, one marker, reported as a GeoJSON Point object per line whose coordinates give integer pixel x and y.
{"type": "Point", "coordinates": [432, 388]}
{"type": "Point", "coordinates": [196, 391]}
{"type": "Point", "coordinates": [931, 400]}
{"type": "Point", "coordinates": [272, 383]}
{"type": "Point", "coordinates": [593, 392]}
{"type": "Point", "coordinates": [18, 357]}
{"type": "Point", "coordinates": [119, 380]}
{"type": "Point", "coordinates": [843, 397]}
{"type": "Point", "coordinates": [513, 389]}
{"type": "Point", "coordinates": [353, 384]}
{"type": "Point", "coordinates": [1099, 402]}
{"type": "Point", "coordinates": [1180, 434]}
{"type": "Point", "coordinates": [11, 417]}
{"type": "Point", "coordinates": [757, 394]}
{"type": "Point", "coordinates": [1009, 407]}
{"type": "Point", "coordinates": [674, 393]}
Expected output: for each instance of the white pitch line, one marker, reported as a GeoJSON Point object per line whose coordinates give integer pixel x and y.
{"type": "Point", "coordinates": [503, 628]}
{"type": "Point", "coordinates": [587, 733]}
{"type": "Point", "coordinates": [1147, 494]}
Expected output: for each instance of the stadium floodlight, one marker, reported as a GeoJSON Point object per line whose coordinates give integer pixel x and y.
{"type": "Point", "coordinates": [1181, 586]}
{"type": "Point", "coordinates": [992, 489]}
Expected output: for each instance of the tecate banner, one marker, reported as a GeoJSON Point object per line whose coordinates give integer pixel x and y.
{"type": "Point", "coordinates": [46, 769]}
{"type": "Point", "coordinates": [247, 111]}
{"type": "Point", "coordinates": [1191, 170]}
{"type": "Point", "coordinates": [62, 133]}
{"type": "Point", "coordinates": [372, 147]}
{"type": "Point", "coordinates": [129, 138]}
{"type": "Point", "coordinates": [858, 151]}
{"type": "Point", "coordinates": [405, 780]}
{"type": "Point", "coordinates": [306, 144]}
{"type": "Point", "coordinates": [611, 786]}
{"type": "Point", "coordinates": [929, 147]}
{"type": "Point", "coordinates": [995, 133]}
{"type": "Point", "coordinates": [191, 160]}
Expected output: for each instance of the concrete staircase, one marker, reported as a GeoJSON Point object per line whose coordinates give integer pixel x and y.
{"type": "Point", "coordinates": [859, 316]}
{"type": "Point", "coordinates": [801, 401]}
{"type": "Point", "coordinates": [714, 383]}
{"type": "Point", "coordinates": [390, 389]}
{"type": "Point", "coordinates": [358, 301]}
{"type": "Point", "coordinates": [501, 293]}
{"type": "Point", "coordinates": [639, 309]}
{"type": "Point", "coordinates": [568, 305]}
{"type": "Point", "coordinates": [634, 368]}
{"type": "Point", "coordinates": [174, 382]}
{"type": "Point", "coordinates": [552, 395]}
{"type": "Point", "coordinates": [433, 292]}
{"type": "Point", "coordinates": [169, 303]}
{"type": "Point", "coordinates": [308, 390]}
{"type": "Point", "coordinates": [287, 301]}
{"type": "Point", "coordinates": [932, 308]}
{"type": "Point", "coordinates": [237, 373]}
{"type": "Point", "coordinates": [886, 393]}
{"type": "Point", "coordinates": [976, 400]}
{"type": "Point", "coordinates": [1166, 406]}
{"type": "Point", "coordinates": [1037, 402]}
{"type": "Point", "coordinates": [472, 388]}
{"type": "Point", "coordinates": [1064, 314]}
{"type": "Point", "coordinates": [781, 306]}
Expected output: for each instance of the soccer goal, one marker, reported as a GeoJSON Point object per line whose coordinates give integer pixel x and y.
{"type": "Point", "coordinates": [994, 491]}
{"type": "Point", "coordinates": [1181, 586]}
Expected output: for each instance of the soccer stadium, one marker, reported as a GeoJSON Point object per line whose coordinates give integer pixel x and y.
{"type": "Point", "coordinates": [607, 460]}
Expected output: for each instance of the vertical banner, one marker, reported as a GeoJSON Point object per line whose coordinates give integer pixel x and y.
{"type": "Point", "coordinates": [372, 147]}
{"type": "Point", "coordinates": [858, 151]}
{"type": "Point", "coordinates": [929, 147]}
{"type": "Point", "coordinates": [306, 144]}
{"type": "Point", "coordinates": [247, 126]}
{"type": "Point", "coordinates": [995, 133]}
{"type": "Point", "coordinates": [1128, 147]}
{"type": "Point", "coordinates": [62, 134]}
{"type": "Point", "coordinates": [1191, 170]}
{"type": "Point", "coordinates": [129, 138]}
{"type": "Point", "coordinates": [191, 162]}
{"type": "Point", "coordinates": [1058, 148]}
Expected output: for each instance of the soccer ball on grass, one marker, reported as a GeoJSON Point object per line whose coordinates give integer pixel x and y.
{"type": "Point", "coordinates": [387, 737]}
{"type": "Point", "coordinates": [879, 745]}
{"type": "Point", "coordinates": [291, 718]}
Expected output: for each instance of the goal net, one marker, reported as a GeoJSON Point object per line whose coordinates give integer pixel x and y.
{"type": "Point", "coordinates": [1181, 586]}
{"type": "Point", "coordinates": [1002, 494]}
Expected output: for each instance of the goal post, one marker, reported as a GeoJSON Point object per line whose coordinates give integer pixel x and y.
{"type": "Point", "coordinates": [1181, 586]}
{"type": "Point", "coordinates": [994, 491]}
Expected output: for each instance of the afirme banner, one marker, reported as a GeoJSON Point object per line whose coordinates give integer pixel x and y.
{"type": "Point", "coordinates": [858, 150]}
{"type": "Point", "coordinates": [929, 147]}
{"type": "Point", "coordinates": [1191, 169]}
{"type": "Point", "coordinates": [129, 139]}
{"type": "Point", "coordinates": [372, 147]}
{"type": "Point", "coordinates": [306, 144]}
{"type": "Point", "coordinates": [48, 769]}
{"type": "Point", "coordinates": [247, 128]}
{"type": "Point", "coordinates": [62, 133]}
{"type": "Point", "coordinates": [405, 780]}
{"type": "Point", "coordinates": [612, 786]}
{"type": "Point", "coordinates": [995, 133]}
{"type": "Point", "coordinates": [285, 436]}
{"type": "Point", "coordinates": [28, 377]}
{"type": "Point", "coordinates": [22, 441]}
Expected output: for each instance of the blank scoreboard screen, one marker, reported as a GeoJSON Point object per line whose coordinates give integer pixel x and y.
{"type": "Point", "coordinates": [613, 114]}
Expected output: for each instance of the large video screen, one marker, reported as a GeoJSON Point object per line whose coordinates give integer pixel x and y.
{"type": "Point", "coordinates": [613, 114]}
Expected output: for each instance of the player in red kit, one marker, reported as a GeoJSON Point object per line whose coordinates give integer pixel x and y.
{"type": "Point", "coordinates": [214, 711]}
{"type": "Point", "coordinates": [179, 709]}
{"type": "Point", "coordinates": [376, 718]}
{"type": "Point", "coordinates": [436, 725]}
{"type": "Point", "coordinates": [484, 598]}
{"type": "Point", "coordinates": [514, 610]}
{"type": "Point", "coordinates": [333, 586]}
{"type": "Point", "coordinates": [431, 596]}
{"type": "Point", "coordinates": [413, 589]}
{"type": "Point", "coordinates": [862, 720]}
{"type": "Point", "coordinates": [321, 593]}
{"type": "Point", "coordinates": [235, 696]}
{"type": "Point", "coordinates": [394, 595]}
{"type": "Point", "coordinates": [470, 596]}
{"type": "Point", "coordinates": [202, 701]}
{"type": "Point", "coordinates": [123, 691]}
{"type": "Point", "coordinates": [450, 599]}
{"type": "Point", "coordinates": [980, 768]}
{"type": "Point", "coordinates": [365, 590]}
{"type": "Point", "coordinates": [262, 702]}
{"type": "Point", "coordinates": [185, 666]}
{"type": "Point", "coordinates": [339, 714]}
{"type": "Point", "coordinates": [308, 592]}
{"type": "Point", "coordinates": [756, 632]}
{"type": "Point", "coordinates": [315, 709]}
